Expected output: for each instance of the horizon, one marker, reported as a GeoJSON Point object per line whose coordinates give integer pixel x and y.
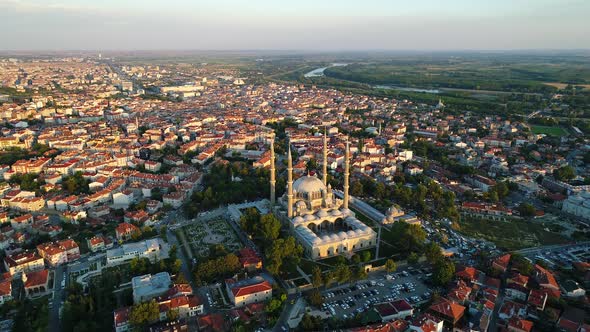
{"type": "Point", "coordinates": [328, 26]}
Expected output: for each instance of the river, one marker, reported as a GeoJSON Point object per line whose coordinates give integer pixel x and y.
{"type": "Point", "coordinates": [393, 87]}
{"type": "Point", "coordinates": [320, 71]}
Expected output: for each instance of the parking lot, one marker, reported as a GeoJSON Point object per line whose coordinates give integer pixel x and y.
{"type": "Point", "coordinates": [346, 302]}
{"type": "Point", "coordinates": [562, 256]}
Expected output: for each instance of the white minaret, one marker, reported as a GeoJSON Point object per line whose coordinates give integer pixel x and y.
{"type": "Point", "coordinates": [289, 184]}
{"type": "Point", "coordinates": [346, 171]}
{"type": "Point", "coordinates": [273, 180]}
{"type": "Point", "coordinates": [325, 169]}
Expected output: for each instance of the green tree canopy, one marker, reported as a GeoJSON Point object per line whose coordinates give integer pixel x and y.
{"type": "Point", "coordinates": [390, 265]}
{"type": "Point", "coordinates": [144, 313]}
{"type": "Point", "coordinates": [443, 272]}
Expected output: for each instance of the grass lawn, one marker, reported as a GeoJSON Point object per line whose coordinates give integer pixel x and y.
{"type": "Point", "coordinates": [511, 235]}
{"type": "Point", "coordinates": [552, 131]}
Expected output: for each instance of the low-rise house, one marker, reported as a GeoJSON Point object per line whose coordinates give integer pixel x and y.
{"type": "Point", "coordinates": [121, 319]}
{"type": "Point", "coordinates": [174, 199]}
{"type": "Point", "coordinates": [56, 253]}
{"type": "Point", "coordinates": [5, 290]}
{"type": "Point", "coordinates": [511, 309]}
{"type": "Point", "coordinates": [22, 222]}
{"type": "Point", "coordinates": [125, 231]}
{"type": "Point", "coordinates": [388, 311]}
{"type": "Point", "coordinates": [395, 326]}
{"type": "Point", "coordinates": [248, 291]}
{"type": "Point", "coordinates": [212, 323]}
{"type": "Point", "coordinates": [519, 325]}
{"type": "Point", "coordinates": [516, 292]}
{"type": "Point", "coordinates": [537, 299]}
{"type": "Point", "coordinates": [26, 261]}
{"type": "Point", "coordinates": [501, 263]}
{"type": "Point", "coordinates": [96, 243]}
{"type": "Point", "coordinates": [36, 282]}
{"type": "Point", "coordinates": [448, 311]}
{"type": "Point", "coordinates": [427, 323]}
{"type": "Point", "coordinates": [147, 287]}
{"type": "Point", "coordinates": [571, 288]}
{"type": "Point", "coordinates": [546, 280]}
{"type": "Point", "coordinates": [249, 259]}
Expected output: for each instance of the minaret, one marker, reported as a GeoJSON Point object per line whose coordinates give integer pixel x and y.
{"type": "Point", "coordinates": [289, 184]}
{"type": "Point", "coordinates": [273, 180]}
{"type": "Point", "coordinates": [346, 171]}
{"type": "Point", "coordinates": [325, 170]}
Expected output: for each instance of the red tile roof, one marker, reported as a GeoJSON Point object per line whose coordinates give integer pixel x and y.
{"type": "Point", "coordinates": [37, 278]}
{"type": "Point", "coordinates": [502, 261]}
{"type": "Point", "coordinates": [520, 324]}
{"type": "Point", "coordinates": [121, 316]}
{"type": "Point", "coordinates": [448, 309]}
{"type": "Point", "coordinates": [5, 287]}
{"type": "Point", "coordinates": [468, 273]}
{"type": "Point", "coordinates": [211, 322]}
{"type": "Point", "coordinates": [251, 289]}
{"type": "Point", "coordinates": [545, 277]}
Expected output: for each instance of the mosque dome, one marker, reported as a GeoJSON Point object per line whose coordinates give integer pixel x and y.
{"type": "Point", "coordinates": [308, 184]}
{"type": "Point", "coordinates": [322, 214]}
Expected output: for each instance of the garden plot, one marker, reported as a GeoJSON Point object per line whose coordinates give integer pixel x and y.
{"type": "Point", "coordinates": [202, 234]}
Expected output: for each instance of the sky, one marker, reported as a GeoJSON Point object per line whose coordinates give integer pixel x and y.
{"type": "Point", "coordinates": [310, 25]}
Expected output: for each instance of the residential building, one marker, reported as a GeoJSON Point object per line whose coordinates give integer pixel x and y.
{"type": "Point", "coordinates": [248, 291]}
{"type": "Point", "coordinates": [147, 287]}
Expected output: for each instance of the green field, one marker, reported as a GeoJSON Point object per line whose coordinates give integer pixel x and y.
{"type": "Point", "coordinates": [552, 131]}
{"type": "Point", "coordinates": [510, 235]}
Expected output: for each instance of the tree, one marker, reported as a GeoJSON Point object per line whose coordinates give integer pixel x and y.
{"type": "Point", "coordinates": [215, 268]}
{"type": "Point", "coordinates": [315, 298]}
{"type": "Point", "coordinates": [76, 184]}
{"type": "Point", "coordinates": [316, 277]}
{"type": "Point", "coordinates": [414, 237]}
{"type": "Point", "coordinates": [526, 209]}
{"type": "Point", "coordinates": [433, 252]}
{"type": "Point", "coordinates": [366, 256]}
{"type": "Point", "coordinates": [443, 272]}
{"type": "Point", "coordinates": [413, 258]}
{"type": "Point", "coordinates": [390, 266]}
{"type": "Point", "coordinates": [564, 173]}
{"type": "Point", "coordinates": [343, 273]}
{"type": "Point", "coordinates": [361, 273]}
{"type": "Point", "coordinates": [269, 227]}
{"type": "Point", "coordinates": [172, 314]}
{"type": "Point", "coordinates": [311, 165]}
{"type": "Point", "coordinates": [249, 219]}
{"type": "Point", "coordinates": [356, 188]}
{"type": "Point", "coordinates": [520, 264]}
{"type": "Point", "coordinates": [274, 305]}
{"type": "Point", "coordinates": [144, 313]}
{"type": "Point", "coordinates": [311, 323]}
{"type": "Point", "coordinates": [283, 251]}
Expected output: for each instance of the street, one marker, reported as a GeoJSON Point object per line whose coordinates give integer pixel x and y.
{"type": "Point", "coordinates": [57, 298]}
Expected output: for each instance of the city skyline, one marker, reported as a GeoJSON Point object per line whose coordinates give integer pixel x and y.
{"type": "Point", "coordinates": [304, 25]}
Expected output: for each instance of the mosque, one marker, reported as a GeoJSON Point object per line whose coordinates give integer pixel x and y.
{"type": "Point", "coordinates": [320, 222]}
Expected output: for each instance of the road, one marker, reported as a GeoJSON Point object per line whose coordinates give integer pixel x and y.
{"type": "Point", "coordinates": [286, 313]}
{"type": "Point", "coordinates": [534, 250]}
{"type": "Point", "coordinates": [58, 296]}
{"type": "Point", "coordinates": [185, 268]}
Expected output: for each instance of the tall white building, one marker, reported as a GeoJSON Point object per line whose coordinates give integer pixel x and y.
{"type": "Point", "coordinates": [578, 205]}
